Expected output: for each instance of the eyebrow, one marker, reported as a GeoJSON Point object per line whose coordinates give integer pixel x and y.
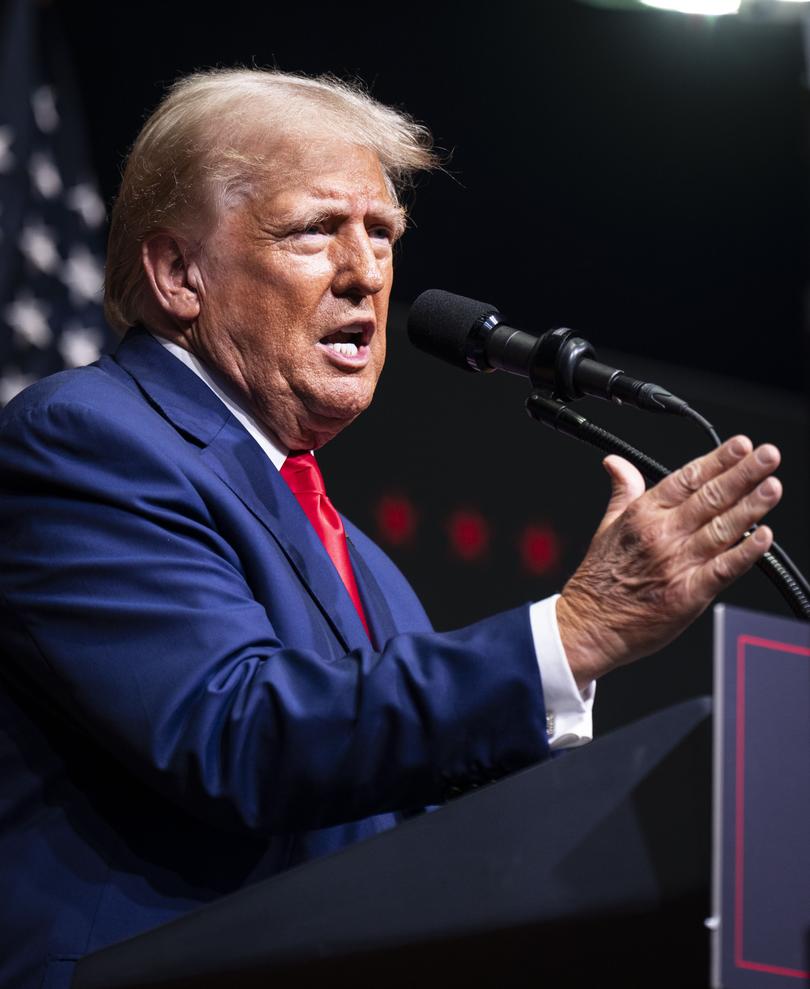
{"type": "Point", "coordinates": [323, 208]}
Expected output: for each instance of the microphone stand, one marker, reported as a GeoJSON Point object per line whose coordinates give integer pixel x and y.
{"type": "Point", "coordinates": [775, 564]}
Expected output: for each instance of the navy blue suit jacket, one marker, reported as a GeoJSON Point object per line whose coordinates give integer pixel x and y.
{"type": "Point", "coordinates": [188, 700]}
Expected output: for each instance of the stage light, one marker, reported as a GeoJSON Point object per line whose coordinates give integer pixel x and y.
{"type": "Point", "coordinates": [539, 549]}
{"type": "Point", "coordinates": [396, 519]}
{"type": "Point", "coordinates": [469, 534]}
{"type": "Point", "coordinates": [706, 7]}
{"type": "Point", "coordinates": [750, 10]}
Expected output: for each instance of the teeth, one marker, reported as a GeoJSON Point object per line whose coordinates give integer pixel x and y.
{"type": "Point", "coordinates": [347, 349]}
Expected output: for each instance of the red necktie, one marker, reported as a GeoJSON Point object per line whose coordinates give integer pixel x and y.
{"type": "Point", "coordinates": [305, 480]}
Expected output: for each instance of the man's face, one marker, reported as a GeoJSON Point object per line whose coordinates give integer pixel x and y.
{"type": "Point", "coordinates": [293, 287]}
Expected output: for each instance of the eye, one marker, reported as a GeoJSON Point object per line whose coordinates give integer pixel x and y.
{"type": "Point", "coordinates": [382, 232]}
{"type": "Point", "coordinates": [304, 229]}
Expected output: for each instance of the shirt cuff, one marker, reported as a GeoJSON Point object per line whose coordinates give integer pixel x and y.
{"type": "Point", "coordinates": [568, 710]}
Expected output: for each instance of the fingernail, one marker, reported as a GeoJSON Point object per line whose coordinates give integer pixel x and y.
{"type": "Point", "coordinates": [767, 489]}
{"type": "Point", "coordinates": [766, 455]}
{"type": "Point", "coordinates": [760, 537]}
{"type": "Point", "coordinates": [737, 448]}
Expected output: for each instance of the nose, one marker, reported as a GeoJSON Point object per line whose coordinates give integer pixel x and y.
{"type": "Point", "coordinates": [359, 271]}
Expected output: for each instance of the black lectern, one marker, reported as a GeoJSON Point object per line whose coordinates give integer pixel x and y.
{"type": "Point", "coordinates": [590, 868]}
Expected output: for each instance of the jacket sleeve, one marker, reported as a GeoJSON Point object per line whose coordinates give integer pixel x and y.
{"type": "Point", "coordinates": [127, 611]}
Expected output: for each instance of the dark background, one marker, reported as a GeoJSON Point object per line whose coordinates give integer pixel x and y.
{"type": "Point", "coordinates": [640, 176]}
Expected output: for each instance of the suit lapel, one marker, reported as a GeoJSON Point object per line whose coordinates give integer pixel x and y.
{"type": "Point", "coordinates": [239, 461]}
{"type": "Point", "coordinates": [235, 457]}
{"type": "Point", "coordinates": [378, 614]}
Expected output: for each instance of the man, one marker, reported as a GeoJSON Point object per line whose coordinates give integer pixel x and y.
{"type": "Point", "coordinates": [199, 688]}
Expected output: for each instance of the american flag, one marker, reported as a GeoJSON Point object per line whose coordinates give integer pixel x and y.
{"type": "Point", "coordinates": [52, 219]}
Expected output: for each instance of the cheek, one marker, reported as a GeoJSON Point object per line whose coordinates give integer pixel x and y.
{"type": "Point", "coordinates": [291, 302]}
{"type": "Point", "coordinates": [286, 283]}
{"type": "Point", "coordinates": [299, 280]}
{"type": "Point", "coordinates": [381, 313]}
{"type": "Point", "coordinates": [381, 350]}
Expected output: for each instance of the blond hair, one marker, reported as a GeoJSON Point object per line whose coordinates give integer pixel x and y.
{"type": "Point", "coordinates": [194, 157]}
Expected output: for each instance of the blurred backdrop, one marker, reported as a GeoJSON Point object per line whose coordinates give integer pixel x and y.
{"type": "Point", "coordinates": [638, 175]}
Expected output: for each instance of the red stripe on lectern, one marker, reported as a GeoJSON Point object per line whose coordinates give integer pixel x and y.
{"type": "Point", "coordinates": [739, 817]}
{"type": "Point", "coordinates": [794, 973]}
{"type": "Point", "coordinates": [739, 803]}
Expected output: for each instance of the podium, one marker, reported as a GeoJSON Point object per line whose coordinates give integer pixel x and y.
{"type": "Point", "coordinates": [761, 879]}
{"type": "Point", "coordinates": [588, 868]}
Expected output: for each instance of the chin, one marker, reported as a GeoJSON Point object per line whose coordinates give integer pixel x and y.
{"type": "Point", "coordinates": [321, 421]}
{"type": "Point", "coordinates": [340, 405]}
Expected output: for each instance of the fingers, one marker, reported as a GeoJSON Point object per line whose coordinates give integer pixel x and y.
{"type": "Point", "coordinates": [727, 528]}
{"type": "Point", "coordinates": [679, 486]}
{"type": "Point", "coordinates": [718, 482]}
{"type": "Point", "coordinates": [721, 493]}
{"type": "Point", "coordinates": [716, 575]}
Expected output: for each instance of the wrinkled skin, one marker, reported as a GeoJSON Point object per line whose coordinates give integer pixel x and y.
{"type": "Point", "coordinates": [307, 253]}
{"type": "Point", "coordinates": [659, 557]}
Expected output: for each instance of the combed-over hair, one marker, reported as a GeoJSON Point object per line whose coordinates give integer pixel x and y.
{"type": "Point", "coordinates": [207, 142]}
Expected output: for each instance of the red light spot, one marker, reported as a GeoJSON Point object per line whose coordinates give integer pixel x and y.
{"type": "Point", "coordinates": [469, 534]}
{"type": "Point", "coordinates": [396, 519]}
{"type": "Point", "coordinates": [539, 549]}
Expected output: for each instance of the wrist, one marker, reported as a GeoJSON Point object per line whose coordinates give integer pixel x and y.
{"type": "Point", "coordinates": [586, 643]}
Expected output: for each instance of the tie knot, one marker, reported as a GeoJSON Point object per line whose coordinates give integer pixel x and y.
{"type": "Point", "coordinates": [302, 474]}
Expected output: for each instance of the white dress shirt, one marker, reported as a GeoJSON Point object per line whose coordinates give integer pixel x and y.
{"type": "Point", "coordinates": [568, 710]}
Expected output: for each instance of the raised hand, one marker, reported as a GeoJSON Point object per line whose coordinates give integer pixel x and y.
{"type": "Point", "coordinates": [659, 557]}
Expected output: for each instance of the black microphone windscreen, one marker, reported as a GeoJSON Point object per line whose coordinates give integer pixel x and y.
{"type": "Point", "coordinates": [440, 323]}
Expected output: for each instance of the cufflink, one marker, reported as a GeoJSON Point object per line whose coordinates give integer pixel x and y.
{"type": "Point", "coordinates": [549, 724]}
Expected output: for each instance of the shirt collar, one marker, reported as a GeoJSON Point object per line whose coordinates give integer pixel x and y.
{"type": "Point", "coordinates": [275, 452]}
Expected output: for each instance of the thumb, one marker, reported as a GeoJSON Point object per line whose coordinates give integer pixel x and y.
{"type": "Point", "coordinates": [626, 483]}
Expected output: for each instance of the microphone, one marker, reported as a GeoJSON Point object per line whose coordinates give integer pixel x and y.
{"type": "Point", "coordinates": [475, 336]}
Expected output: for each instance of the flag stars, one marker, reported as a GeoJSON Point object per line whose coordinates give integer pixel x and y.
{"type": "Point", "coordinates": [43, 103]}
{"type": "Point", "coordinates": [12, 383]}
{"type": "Point", "coordinates": [38, 244]}
{"type": "Point", "coordinates": [45, 175]}
{"type": "Point", "coordinates": [52, 220]}
{"type": "Point", "coordinates": [87, 203]}
{"type": "Point", "coordinates": [28, 317]}
{"type": "Point", "coordinates": [83, 275]}
{"type": "Point", "coordinates": [79, 345]}
{"type": "Point", "coordinates": [6, 156]}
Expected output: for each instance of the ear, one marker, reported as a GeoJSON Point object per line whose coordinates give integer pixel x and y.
{"type": "Point", "coordinates": [165, 261]}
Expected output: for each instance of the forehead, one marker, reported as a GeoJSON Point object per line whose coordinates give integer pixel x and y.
{"type": "Point", "coordinates": [327, 172]}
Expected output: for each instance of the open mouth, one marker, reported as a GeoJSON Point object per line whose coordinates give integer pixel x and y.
{"type": "Point", "coordinates": [349, 342]}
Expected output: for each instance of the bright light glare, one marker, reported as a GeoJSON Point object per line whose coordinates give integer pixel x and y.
{"type": "Point", "coordinates": [696, 6]}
